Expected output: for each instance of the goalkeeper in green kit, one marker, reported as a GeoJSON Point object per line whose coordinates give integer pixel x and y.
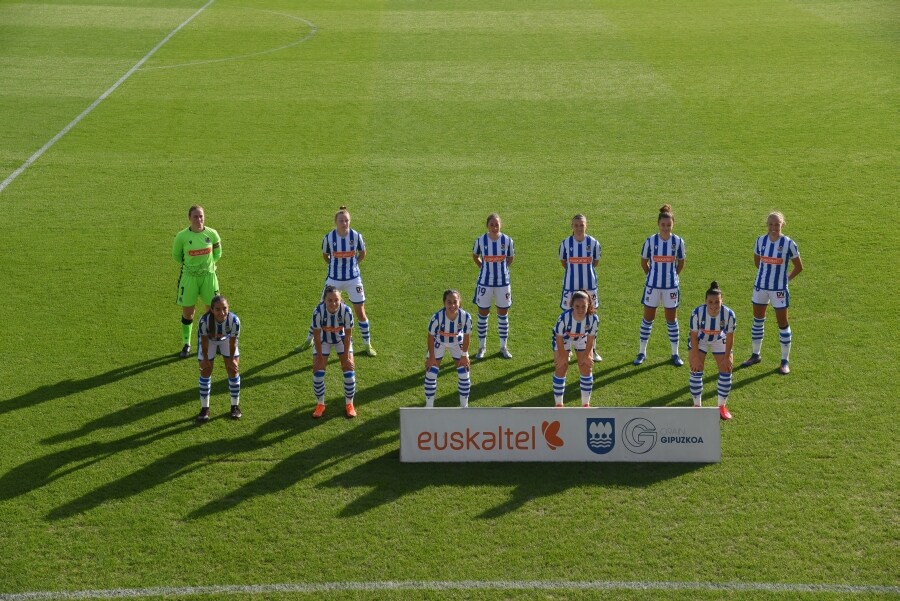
{"type": "Point", "coordinates": [196, 248]}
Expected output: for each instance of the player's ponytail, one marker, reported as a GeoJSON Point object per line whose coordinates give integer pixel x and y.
{"type": "Point", "coordinates": [342, 209]}
{"type": "Point", "coordinates": [586, 296]}
{"type": "Point", "coordinates": [714, 289]}
{"type": "Point", "coordinates": [665, 212]}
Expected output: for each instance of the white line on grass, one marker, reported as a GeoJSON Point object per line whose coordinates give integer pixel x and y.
{"type": "Point", "coordinates": [313, 28]}
{"type": "Point", "coordinates": [423, 585]}
{"type": "Point", "coordinates": [87, 111]}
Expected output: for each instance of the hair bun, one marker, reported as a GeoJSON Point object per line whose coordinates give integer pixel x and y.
{"type": "Point", "coordinates": [666, 208]}
{"type": "Point", "coordinates": [714, 285]}
{"type": "Point", "coordinates": [342, 208]}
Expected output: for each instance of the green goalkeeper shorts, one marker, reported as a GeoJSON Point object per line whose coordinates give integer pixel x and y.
{"type": "Point", "coordinates": [190, 287]}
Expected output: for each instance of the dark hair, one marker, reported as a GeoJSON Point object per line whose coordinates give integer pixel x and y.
{"type": "Point", "coordinates": [587, 297]}
{"type": "Point", "coordinates": [218, 299]}
{"type": "Point", "coordinates": [714, 289]}
{"type": "Point", "coordinates": [665, 212]}
{"type": "Point", "coordinates": [450, 291]}
{"type": "Point", "coordinates": [194, 208]}
{"type": "Point", "coordinates": [328, 290]}
{"type": "Point", "coordinates": [493, 216]}
{"type": "Point", "coordinates": [579, 217]}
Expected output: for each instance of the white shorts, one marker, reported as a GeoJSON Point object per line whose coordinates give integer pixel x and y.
{"type": "Point", "coordinates": [327, 346]}
{"type": "Point", "coordinates": [220, 347]}
{"type": "Point", "coordinates": [500, 295]}
{"type": "Point", "coordinates": [669, 298]}
{"type": "Point", "coordinates": [353, 288]}
{"type": "Point", "coordinates": [716, 347]}
{"type": "Point", "coordinates": [441, 347]}
{"type": "Point", "coordinates": [567, 295]}
{"type": "Point", "coordinates": [780, 299]}
{"type": "Point", "coordinates": [575, 344]}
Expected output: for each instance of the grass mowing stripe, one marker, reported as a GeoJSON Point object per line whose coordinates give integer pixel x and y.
{"type": "Point", "coordinates": [500, 585]}
{"type": "Point", "coordinates": [12, 176]}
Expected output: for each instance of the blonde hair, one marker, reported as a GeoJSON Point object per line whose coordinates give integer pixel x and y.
{"type": "Point", "coordinates": [777, 214]}
{"type": "Point", "coordinates": [342, 209]}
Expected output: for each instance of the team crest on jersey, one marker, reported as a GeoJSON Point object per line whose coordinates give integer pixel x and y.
{"type": "Point", "coordinates": [601, 434]}
{"type": "Point", "coordinates": [208, 240]}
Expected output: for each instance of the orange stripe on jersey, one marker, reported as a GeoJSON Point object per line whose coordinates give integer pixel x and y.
{"type": "Point", "coordinates": [344, 254]}
{"type": "Point", "coordinates": [772, 260]}
{"type": "Point", "coordinates": [580, 260]}
{"type": "Point", "coordinates": [201, 251]}
{"type": "Point", "coordinates": [333, 330]}
{"type": "Point", "coordinates": [494, 258]}
{"type": "Point", "coordinates": [449, 334]}
{"type": "Point", "coordinates": [712, 332]}
{"type": "Point", "coordinates": [663, 259]}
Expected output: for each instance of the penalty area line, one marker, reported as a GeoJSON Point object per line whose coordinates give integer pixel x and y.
{"type": "Point", "coordinates": [423, 585]}
{"type": "Point", "coordinates": [12, 176]}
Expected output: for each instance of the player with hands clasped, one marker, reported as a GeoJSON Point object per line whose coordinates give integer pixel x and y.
{"type": "Point", "coordinates": [772, 253]}
{"type": "Point", "coordinates": [580, 255]}
{"type": "Point", "coordinates": [332, 323]}
{"type": "Point", "coordinates": [662, 259]}
{"type": "Point", "coordinates": [197, 248]}
{"type": "Point", "coordinates": [343, 249]}
{"type": "Point", "coordinates": [449, 330]}
{"type": "Point", "coordinates": [217, 334]}
{"type": "Point", "coordinates": [575, 330]}
{"type": "Point", "coordinates": [712, 330]}
{"type": "Point", "coordinates": [493, 253]}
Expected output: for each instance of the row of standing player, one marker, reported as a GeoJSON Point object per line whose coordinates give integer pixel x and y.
{"type": "Point", "coordinates": [662, 259]}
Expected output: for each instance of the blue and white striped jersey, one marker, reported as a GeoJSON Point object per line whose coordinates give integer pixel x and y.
{"type": "Point", "coordinates": [493, 253]}
{"type": "Point", "coordinates": [571, 329]}
{"type": "Point", "coordinates": [332, 325]}
{"type": "Point", "coordinates": [663, 256]}
{"type": "Point", "coordinates": [712, 327]}
{"type": "Point", "coordinates": [579, 258]}
{"type": "Point", "coordinates": [773, 264]}
{"type": "Point", "coordinates": [208, 326]}
{"type": "Point", "coordinates": [343, 250]}
{"type": "Point", "coordinates": [449, 330]}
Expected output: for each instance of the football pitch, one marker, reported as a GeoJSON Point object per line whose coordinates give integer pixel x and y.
{"type": "Point", "coordinates": [423, 118]}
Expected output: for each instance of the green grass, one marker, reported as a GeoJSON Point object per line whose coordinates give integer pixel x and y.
{"type": "Point", "coordinates": [423, 118]}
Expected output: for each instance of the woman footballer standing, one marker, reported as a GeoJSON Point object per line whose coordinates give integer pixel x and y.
{"type": "Point", "coordinates": [579, 255]}
{"type": "Point", "coordinates": [493, 253]}
{"type": "Point", "coordinates": [197, 248]}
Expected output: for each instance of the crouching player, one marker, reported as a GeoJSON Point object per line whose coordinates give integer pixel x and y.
{"type": "Point", "coordinates": [712, 329]}
{"type": "Point", "coordinates": [332, 323]}
{"type": "Point", "coordinates": [449, 330]}
{"type": "Point", "coordinates": [576, 330]}
{"type": "Point", "coordinates": [217, 333]}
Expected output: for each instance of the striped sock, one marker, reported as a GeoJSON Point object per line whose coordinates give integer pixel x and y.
{"type": "Point", "coordinates": [559, 388]}
{"type": "Point", "coordinates": [482, 329]}
{"type": "Point", "coordinates": [464, 385]}
{"type": "Point", "coordinates": [319, 385]}
{"type": "Point", "coordinates": [756, 334]}
{"type": "Point", "coordinates": [503, 329]}
{"type": "Point", "coordinates": [587, 385]}
{"type": "Point", "coordinates": [205, 385]}
{"type": "Point", "coordinates": [724, 387]}
{"type": "Point", "coordinates": [364, 330]}
{"type": "Point", "coordinates": [784, 334]}
{"type": "Point", "coordinates": [349, 385]}
{"type": "Point", "coordinates": [696, 385]}
{"type": "Point", "coordinates": [430, 385]}
{"type": "Point", "coordinates": [234, 387]}
{"type": "Point", "coordinates": [646, 328]}
{"type": "Point", "coordinates": [674, 335]}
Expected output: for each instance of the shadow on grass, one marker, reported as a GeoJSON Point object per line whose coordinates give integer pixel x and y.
{"type": "Point", "coordinates": [148, 408]}
{"type": "Point", "coordinates": [683, 395]}
{"type": "Point", "coordinates": [67, 387]}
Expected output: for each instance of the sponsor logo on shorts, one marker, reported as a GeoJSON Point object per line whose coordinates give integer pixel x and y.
{"type": "Point", "coordinates": [779, 294]}
{"type": "Point", "coordinates": [601, 434]}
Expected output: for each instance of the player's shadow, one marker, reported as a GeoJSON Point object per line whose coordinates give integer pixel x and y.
{"type": "Point", "coordinates": [43, 470]}
{"type": "Point", "coordinates": [385, 480]}
{"type": "Point", "coordinates": [682, 396]}
{"type": "Point", "coordinates": [65, 388]}
{"type": "Point", "coordinates": [483, 389]}
{"type": "Point", "coordinates": [150, 407]}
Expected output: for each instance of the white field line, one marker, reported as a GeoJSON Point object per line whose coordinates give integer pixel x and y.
{"type": "Point", "coordinates": [421, 585]}
{"type": "Point", "coordinates": [313, 28]}
{"type": "Point", "coordinates": [12, 176]}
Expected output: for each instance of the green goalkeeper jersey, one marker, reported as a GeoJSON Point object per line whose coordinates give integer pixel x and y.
{"type": "Point", "coordinates": [197, 251]}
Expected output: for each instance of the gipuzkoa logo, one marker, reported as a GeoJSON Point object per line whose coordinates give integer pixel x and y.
{"type": "Point", "coordinates": [601, 434]}
{"type": "Point", "coordinates": [551, 435]}
{"type": "Point", "coordinates": [639, 435]}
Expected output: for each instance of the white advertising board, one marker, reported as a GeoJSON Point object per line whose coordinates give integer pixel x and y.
{"type": "Point", "coordinates": [645, 434]}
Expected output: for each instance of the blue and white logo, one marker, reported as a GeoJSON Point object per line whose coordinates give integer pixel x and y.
{"type": "Point", "coordinates": [601, 434]}
{"type": "Point", "coordinates": [639, 435]}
